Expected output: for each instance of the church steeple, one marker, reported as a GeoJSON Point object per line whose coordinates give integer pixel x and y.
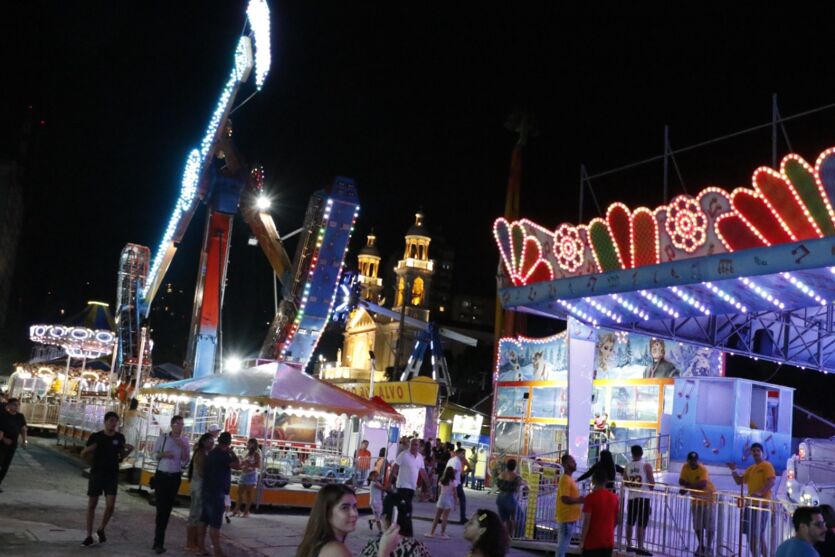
{"type": "Point", "coordinates": [368, 263]}
{"type": "Point", "coordinates": [414, 271]}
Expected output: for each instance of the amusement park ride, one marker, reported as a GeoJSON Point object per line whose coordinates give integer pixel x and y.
{"type": "Point", "coordinates": [216, 175]}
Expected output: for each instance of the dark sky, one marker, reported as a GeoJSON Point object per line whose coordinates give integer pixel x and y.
{"type": "Point", "coordinates": [408, 99]}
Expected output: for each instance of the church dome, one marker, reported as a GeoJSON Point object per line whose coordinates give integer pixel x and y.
{"type": "Point", "coordinates": [370, 247]}
{"type": "Point", "coordinates": [417, 229]}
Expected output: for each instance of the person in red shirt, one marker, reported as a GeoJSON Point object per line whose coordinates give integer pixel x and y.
{"type": "Point", "coordinates": [600, 512]}
{"type": "Point", "coordinates": [363, 463]}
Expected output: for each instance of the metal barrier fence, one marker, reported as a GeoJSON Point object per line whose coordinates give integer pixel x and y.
{"type": "Point", "coordinates": [77, 419]}
{"type": "Point", "coordinates": [40, 414]}
{"type": "Point", "coordinates": [680, 522]}
{"type": "Point", "coordinates": [656, 450]}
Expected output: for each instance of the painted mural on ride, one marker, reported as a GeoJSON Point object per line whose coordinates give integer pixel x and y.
{"type": "Point", "coordinates": [790, 204]}
{"type": "Point", "coordinates": [633, 392]}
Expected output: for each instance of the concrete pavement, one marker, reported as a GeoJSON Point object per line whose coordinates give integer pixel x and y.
{"type": "Point", "coordinates": [44, 500]}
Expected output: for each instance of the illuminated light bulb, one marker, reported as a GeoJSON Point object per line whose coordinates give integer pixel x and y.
{"type": "Point", "coordinates": [258, 13]}
{"type": "Point", "coordinates": [262, 203]}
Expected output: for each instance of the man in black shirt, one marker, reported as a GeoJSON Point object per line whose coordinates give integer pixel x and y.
{"type": "Point", "coordinates": [108, 448]}
{"type": "Point", "coordinates": [217, 479]}
{"type": "Point", "coordinates": [12, 426]}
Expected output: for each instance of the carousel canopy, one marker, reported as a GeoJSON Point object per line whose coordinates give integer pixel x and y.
{"type": "Point", "coordinates": [297, 390]}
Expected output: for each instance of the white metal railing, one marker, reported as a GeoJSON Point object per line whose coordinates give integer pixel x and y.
{"type": "Point", "coordinates": [724, 522]}
{"type": "Point", "coordinates": [656, 450]}
{"type": "Point", "coordinates": [40, 413]}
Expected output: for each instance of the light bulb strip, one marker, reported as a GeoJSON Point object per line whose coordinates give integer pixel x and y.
{"type": "Point", "coordinates": [632, 308]}
{"type": "Point", "coordinates": [800, 285]}
{"type": "Point", "coordinates": [660, 304]}
{"type": "Point", "coordinates": [690, 300]}
{"type": "Point", "coordinates": [725, 297]}
{"type": "Point", "coordinates": [761, 292]}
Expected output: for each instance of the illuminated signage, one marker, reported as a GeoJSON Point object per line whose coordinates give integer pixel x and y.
{"type": "Point", "coordinates": [785, 205]}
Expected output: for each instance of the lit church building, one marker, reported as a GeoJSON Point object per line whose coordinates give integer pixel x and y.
{"type": "Point", "coordinates": [369, 335]}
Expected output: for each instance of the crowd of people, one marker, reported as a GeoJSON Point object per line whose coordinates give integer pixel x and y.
{"type": "Point", "coordinates": [432, 471]}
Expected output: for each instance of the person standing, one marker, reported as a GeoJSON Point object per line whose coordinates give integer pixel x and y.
{"type": "Point", "coordinates": [217, 479]}
{"type": "Point", "coordinates": [638, 475]}
{"type": "Point", "coordinates": [363, 462]}
{"type": "Point", "coordinates": [472, 462]}
{"type": "Point", "coordinates": [447, 500]}
{"type": "Point", "coordinates": [12, 426]}
{"type": "Point", "coordinates": [568, 504]}
{"type": "Point", "coordinates": [809, 529]}
{"type": "Point", "coordinates": [408, 468]}
{"type": "Point", "coordinates": [760, 478]}
{"type": "Point", "coordinates": [458, 462]}
{"type": "Point", "coordinates": [600, 512]}
{"type": "Point", "coordinates": [250, 466]}
{"type": "Point", "coordinates": [172, 453]}
{"type": "Point", "coordinates": [195, 475]}
{"type": "Point", "coordinates": [826, 548]}
{"type": "Point", "coordinates": [508, 484]}
{"type": "Point", "coordinates": [694, 476]}
{"type": "Point", "coordinates": [108, 448]}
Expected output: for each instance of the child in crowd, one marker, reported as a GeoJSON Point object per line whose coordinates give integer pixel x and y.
{"type": "Point", "coordinates": [376, 486]}
{"type": "Point", "coordinates": [447, 500]}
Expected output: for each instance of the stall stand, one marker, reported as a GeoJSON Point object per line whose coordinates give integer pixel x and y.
{"type": "Point", "coordinates": [308, 429]}
{"type": "Point", "coordinates": [416, 400]}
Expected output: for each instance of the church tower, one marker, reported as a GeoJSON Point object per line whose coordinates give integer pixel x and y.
{"type": "Point", "coordinates": [368, 263]}
{"type": "Point", "coordinates": [414, 272]}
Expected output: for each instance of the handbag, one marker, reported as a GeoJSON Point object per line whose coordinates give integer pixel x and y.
{"type": "Point", "coordinates": [152, 483]}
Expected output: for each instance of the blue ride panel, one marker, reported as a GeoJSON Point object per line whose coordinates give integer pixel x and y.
{"type": "Point", "coordinates": [339, 214]}
{"type": "Point", "coordinates": [720, 418]}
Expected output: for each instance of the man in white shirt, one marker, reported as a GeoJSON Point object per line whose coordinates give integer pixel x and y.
{"type": "Point", "coordinates": [458, 462]}
{"type": "Point", "coordinates": [408, 468]}
{"type": "Point", "coordinates": [172, 451]}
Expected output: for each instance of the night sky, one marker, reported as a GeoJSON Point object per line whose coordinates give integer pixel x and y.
{"type": "Point", "coordinates": [410, 100]}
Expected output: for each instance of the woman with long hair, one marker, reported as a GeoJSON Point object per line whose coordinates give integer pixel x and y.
{"type": "Point", "coordinates": [195, 476]}
{"type": "Point", "coordinates": [447, 500]}
{"type": "Point", "coordinates": [332, 518]}
{"type": "Point", "coordinates": [508, 484]}
{"type": "Point", "coordinates": [607, 463]}
{"type": "Point", "coordinates": [250, 466]}
{"type": "Point", "coordinates": [487, 535]}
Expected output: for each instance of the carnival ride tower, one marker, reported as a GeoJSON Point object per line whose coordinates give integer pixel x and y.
{"type": "Point", "coordinates": [133, 272]}
{"type": "Point", "coordinates": [218, 177]}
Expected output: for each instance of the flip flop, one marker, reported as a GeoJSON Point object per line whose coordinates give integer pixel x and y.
{"type": "Point", "coordinates": [429, 535]}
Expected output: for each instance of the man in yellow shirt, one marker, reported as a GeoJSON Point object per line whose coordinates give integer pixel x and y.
{"type": "Point", "coordinates": [694, 476]}
{"type": "Point", "coordinates": [760, 478]}
{"type": "Point", "coordinates": [568, 504]}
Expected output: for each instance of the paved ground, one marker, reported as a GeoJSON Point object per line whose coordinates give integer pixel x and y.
{"type": "Point", "coordinates": [43, 509]}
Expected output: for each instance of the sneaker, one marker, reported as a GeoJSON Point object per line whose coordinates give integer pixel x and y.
{"type": "Point", "coordinates": [642, 552]}
{"type": "Point", "coordinates": [88, 541]}
{"type": "Point", "coordinates": [630, 549]}
{"type": "Point", "coordinates": [160, 550]}
{"type": "Point", "coordinates": [102, 537]}
{"type": "Point", "coordinates": [429, 535]}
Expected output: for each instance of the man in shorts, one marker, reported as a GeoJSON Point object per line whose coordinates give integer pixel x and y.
{"type": "Point", "coordinates": [108, 448]}
{"type": "Point", "coordinates": [217, 478]}
{"type": "Point", "coordinates": [694, 476]}
{"type": "Point", "coordinates": [638, 475]}
{"type": "Point", "coordinates": [760, 478]}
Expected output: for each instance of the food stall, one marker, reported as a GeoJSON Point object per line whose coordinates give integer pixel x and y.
{"type": "Point", "coordinates": [308, 429]}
